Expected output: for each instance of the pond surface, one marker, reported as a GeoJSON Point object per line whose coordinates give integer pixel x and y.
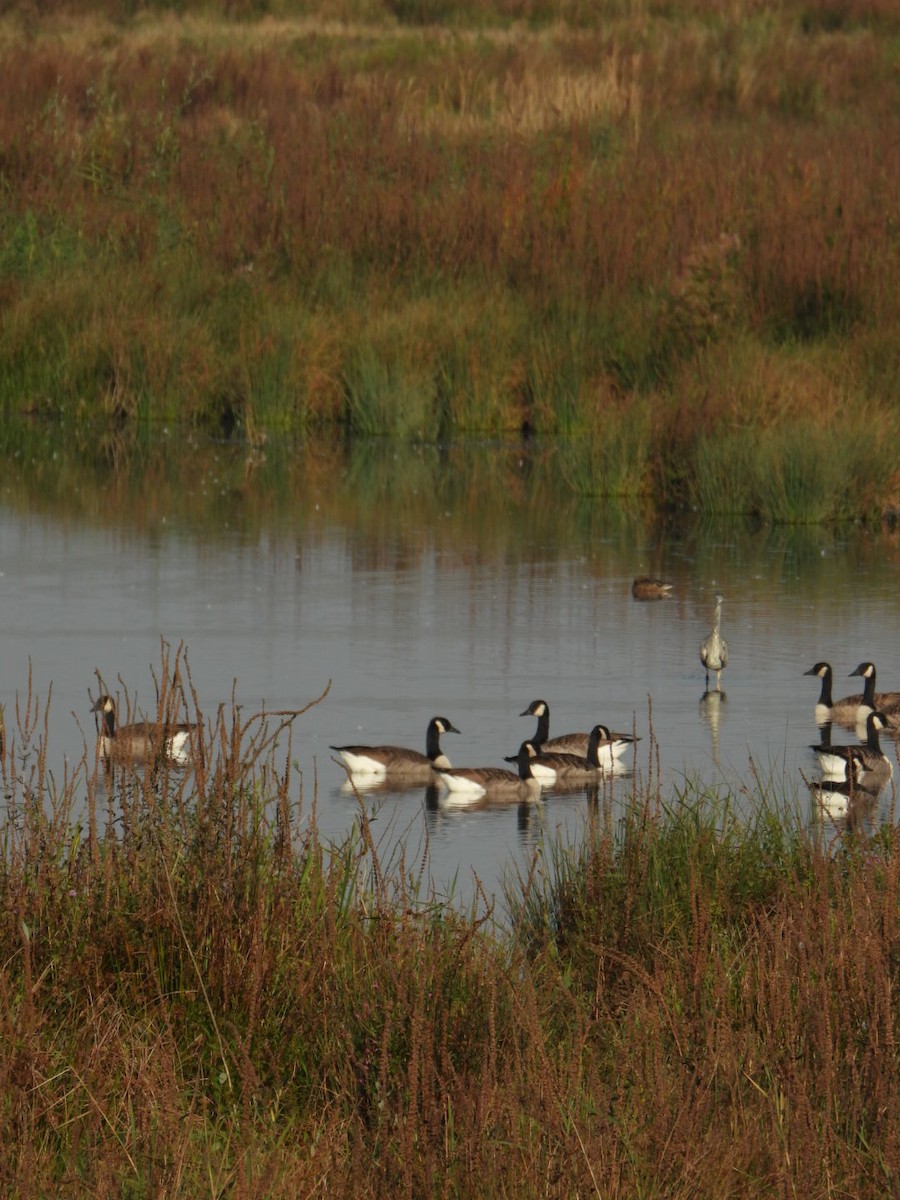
{"type": "Point", "coordinates": [464, 582]}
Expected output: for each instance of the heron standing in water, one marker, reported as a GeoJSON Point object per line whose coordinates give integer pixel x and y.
{"type": "Point", "coordinates": [714, 649]}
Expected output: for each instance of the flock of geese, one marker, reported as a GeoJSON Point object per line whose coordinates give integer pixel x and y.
{"type": "Point", "coordinates": [566, 761]}
{"type": "Point", "coordinates": [580, 756]}
{"type": "Point", "coordinates": [562, 762]}
{"type": "Point", "coordinates": [863, 766]}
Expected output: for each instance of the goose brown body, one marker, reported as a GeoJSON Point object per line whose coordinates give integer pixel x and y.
{"type": "Point", "coordinates": [860, 763]}
{"type": "Point", "coordinates": [466, 785]}
{"type": "Point", "coordinates": [142, 741]}
{"type": "Point", "coordinates": [852, 711]}
{"type": "Point", "coordinates": [886, 703]}
{"type": "Point", "coordinates": [561, 768]}
{"type": "Point", "coordinates": [400, 762]}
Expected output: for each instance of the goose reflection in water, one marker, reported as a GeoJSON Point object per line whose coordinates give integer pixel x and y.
{"type": "Point", "coordinates": [848, 807]}
{"type": "Point", "coordinates": [598, 792]}
{"type": "Point", "coordinates": [371, 785]}
{"type": "Point", "coordinates": [432, 797]}
{"type": "Point", "coordinates": [529, 821]}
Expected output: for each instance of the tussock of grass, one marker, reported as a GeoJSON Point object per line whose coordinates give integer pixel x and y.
{"type": "Point", "coordinates": [807, 475]}
{"type": "Point", "coordinates": [199, 996]}
{"type": "Point", "coordinates": [614, 458]}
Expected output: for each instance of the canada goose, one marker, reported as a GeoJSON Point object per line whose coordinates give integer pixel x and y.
{"type": "Point", "coordinates": [569, 743]}
{"type": "Point", "coordinates": [144, 740]}
{"type": "Point", "coordinates": [556, 766]}
{"type": "Point", "coordinates": [853, 710]}
{"type": "Point", "coordinates": [826, 709]}
{"type": "Point", "coordinates": [887, 703]}
{"type": "Point", "coordinates": [647, 588]}
{"type": "Point", "coordinates": [714, 649]}
{"type": "Point", "coordinates": [398, 761]}
{"type": "Point", "coordinates": [854, 763]}
{"type": "Point", "coordinates": [467, 784]}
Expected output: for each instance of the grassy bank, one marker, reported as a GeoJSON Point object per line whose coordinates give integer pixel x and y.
{"type": "Point", "coordinates": [670, 237]}
{"type": "Point", "coordinates": [199, 998]}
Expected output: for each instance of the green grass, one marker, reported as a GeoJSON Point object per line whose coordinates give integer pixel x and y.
{"type": "Point", "coordinates": [805, 475]}
{"type": "Point", "coordinates": [615, 456]}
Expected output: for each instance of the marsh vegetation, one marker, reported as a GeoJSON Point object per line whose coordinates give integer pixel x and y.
{"type": "Point", "coordinates": [199, 997]}
{"type": "Point", "coordinates": [661, 245]}
{"type": "Point", "coordinates": [669, 240]}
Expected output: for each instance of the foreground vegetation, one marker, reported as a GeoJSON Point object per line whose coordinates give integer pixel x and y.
{"type": "Point", "coordinates": [198, 998]}
{"type": "Point", "coordinates": [667, 235]}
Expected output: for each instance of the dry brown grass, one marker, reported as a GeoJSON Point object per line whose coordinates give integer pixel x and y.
{"type": "Point", "coordinates": [417, 230]}
{"type": "Point", "coordinates": [198, 998]}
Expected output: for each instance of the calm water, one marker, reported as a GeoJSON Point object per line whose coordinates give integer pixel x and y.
{"type": "Point", "coordinates": [463, 582]}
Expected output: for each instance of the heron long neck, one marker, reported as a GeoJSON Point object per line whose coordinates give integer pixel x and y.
{"type": "Point", "coordinates": [718, 618]}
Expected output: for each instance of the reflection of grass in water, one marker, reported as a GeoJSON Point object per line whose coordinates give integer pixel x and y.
{"type": "Point", "coordinates": [498, 497]}
{"type": "Point", "coordinates": [489, 493]}
{"type": "Point", "coordinates": [504, 500]}
{"type": "Point", "coordinates": [790, 557]}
